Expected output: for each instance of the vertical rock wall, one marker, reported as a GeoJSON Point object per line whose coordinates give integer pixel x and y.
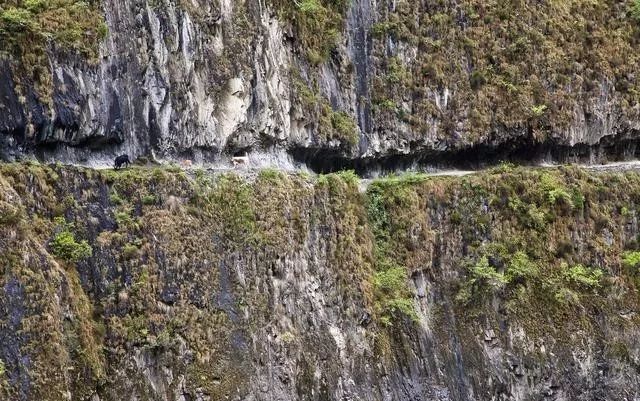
{"type": "Point", "coordinates": [282, 287]}
{"type": "Point", "coordinates": [208, 79]}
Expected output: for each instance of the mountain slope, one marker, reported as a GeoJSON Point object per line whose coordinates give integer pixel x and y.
{"type": "Point", "coordinates": [150, 284]}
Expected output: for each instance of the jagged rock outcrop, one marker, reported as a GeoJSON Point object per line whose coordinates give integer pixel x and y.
{"type": "Point", "coordinates": [507, 285]}
{"type": "Point", "coordinates": [369, 80]}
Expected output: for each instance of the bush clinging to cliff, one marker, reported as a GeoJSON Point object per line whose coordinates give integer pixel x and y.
{"type": "Point", "coordinates": [393, 296]}
{"type": "Point", "coordinates": [317, 23]}
{"type": "Point", "coordinates": [631, 259]}
{"type": "Point", "coordinates": [65, 246]}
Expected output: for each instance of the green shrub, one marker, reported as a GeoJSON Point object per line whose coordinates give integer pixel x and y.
{"type": "Point", "coordinates": [271, 175]}
{"type": "Point", "coordinates": [322, 180]}
{"type": "Point", "coordinates": [631, 259]}
{"type": "Point", "coordinates": [115, 198]}
{"type": "Point", "coordinates": [481, 278]}
{"type": "Point", "coordinates": [377, 214]}
{"type": "Point", "coordinates": [310, 6]}
{"type": "Point", "coordinates": [566, 296]}
{"type": "Point", "coordinates": [149, 200]}
{"type": "Point", "coordinates": [557, 195]}
{"type": "Point", "coordinates": [16, 19]}
{"type": "Point", "coordinates": [393, 295]}
{"type": "Point", "coordinates": [345, 127]}
{"type": "Point", "coordinates": [229, 200]}
{"type": "Point", "coordinates": [521, 268]}
{"type": "Point", "coordinates": [586, 277]}
{"type": "Point", "coordinates": [397, 72]}
{"type": "Point", "coordinates": [387, 104]}
{"type": "Point", "coordinates": [137, 328]}
{"type": "Point", "coordinates": [130, 251]}
{"type": "Point", "coordinates": [635, 10]}
{"type": "Point", "coordinates": [64, 244]}
{"type": "Point", "coordinates": [577, 200]}
{"type": "Point", "coordinates": [530, 215]}
{"type": "Point", "coordinates": [35, 6]}
{"type": "Point", "coordinates": [123, 218]}
{"type": "Point", "coordinates": [391, 280]}
{"type": "Point", "coordinates": [539, 110]}
{"type": "Point", "coordinates": [395, 306]}
{"type": "Point", "coordinates": [484, 274]}
{"type": "Point", "coordinates": [536, 218]}
{"type": "Point", "coordinates": [504, 167]}
{"type": "Point", "coordinates": [380, 29]}
{"type": "Point", "coordinates": [349, 177]}
{"type": "Point", "coordinates": [555, 190]}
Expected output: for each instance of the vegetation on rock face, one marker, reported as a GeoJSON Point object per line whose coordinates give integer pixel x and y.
{"type": "Point", "coordinates": [64, 244]}
{"type": "Point", "coordinates": [3, 380]}
{"type": "Point", "coordinates": [317, 24]}
{"type": "Point", "coordinates": [331, 124]}
{"type": "Point", "coordinates": [340, 207]}
{"type": "Point", "coordinates": [467, 72]}
{"type": "Point", "coordinates": [9, 214]}
{"type": "Point", "coordinates": [632, 259]}
{"type": "Point", "coordinates": [69, 24]}
{"type": "Point", "coordinates": [392, 294]}
{"type": "Point", "coordinates": [534, 240]}
{"type": "Point", "coordinates": [28, 28]}
{"type": "Point", "coordinates": [505, 63]}
{"type": "Point", "coordinates": [345, 126]}
{"type": "Point", "coordinates": [237, 217]}
{"type": "Point", "coordinates": [173, 263]}
{"type": "Point", "coordinates": [635, 10]}
{"type": "Point", "coordinates": [586, 277]}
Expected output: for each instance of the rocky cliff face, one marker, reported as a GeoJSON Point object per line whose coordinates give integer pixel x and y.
{"type": "Point", "coordinates": [150, 284]}
{"type": "Point", "coordinates": [325, 82]}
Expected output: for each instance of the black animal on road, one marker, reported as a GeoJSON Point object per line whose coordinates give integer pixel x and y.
{"type": "Point", "coordinates": [121, 161]}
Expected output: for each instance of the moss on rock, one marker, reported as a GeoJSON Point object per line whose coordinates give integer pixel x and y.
{"type": "Point", "coordinates": [210, 265]}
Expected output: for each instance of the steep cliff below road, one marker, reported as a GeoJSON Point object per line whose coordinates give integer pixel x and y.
{"type": "Point", "coordinates": [148, 284]}
{"type": "Point", "coordinates": [327, 82]}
